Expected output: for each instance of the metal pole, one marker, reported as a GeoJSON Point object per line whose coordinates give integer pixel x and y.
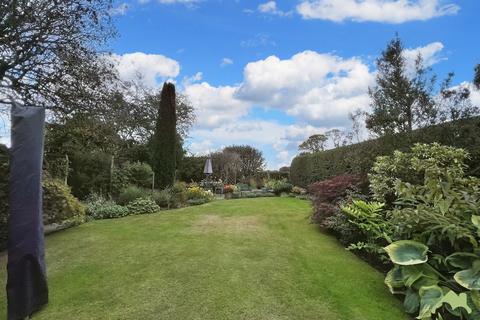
{"type": "Point", "coordinates": [67, 164]}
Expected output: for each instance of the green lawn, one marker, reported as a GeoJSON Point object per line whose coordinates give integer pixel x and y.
{"type": "Point", "coordinates": [238, 259]}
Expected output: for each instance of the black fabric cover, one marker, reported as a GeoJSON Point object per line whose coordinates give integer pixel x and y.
{"type": "Point", "coordinates": [27, 289]}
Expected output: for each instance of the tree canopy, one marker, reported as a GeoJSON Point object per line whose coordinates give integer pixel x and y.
{"type": "Point", "coordinates": [50, 53]}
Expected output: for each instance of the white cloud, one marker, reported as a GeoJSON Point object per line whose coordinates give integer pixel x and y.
{"type": "Point", "coordinates": [430, 55]}
{"type": "Point", "coordinates": [120, 10]}
{"type": "Point", "coordinates": [389, 11]}
{"type": "Point", "coordinates": [312, 86]}
{"type": "Point", "coordinates": [474, 95]}
{"type": "Point", "coordinates": [282, 139]}
{"type": "Point", "coordinates": [153, 68]}
{"type": "Point", "coordinates": [270, 7]}
{"type": "Point", "coordinates": [259, 40]}
{"type": "Point", "coordinates": [215, 105]}
{"type": "Point", "coordinates": [226, 62]}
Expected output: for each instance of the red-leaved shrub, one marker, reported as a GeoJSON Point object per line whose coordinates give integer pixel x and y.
{"type": "Point", "coordinates": [328, 193]}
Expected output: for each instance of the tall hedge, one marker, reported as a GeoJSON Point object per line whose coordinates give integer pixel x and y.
{"type": "Point", "coordinates": [164, 141]}
{"type": "Point", "coordinates": [4, 169]}
{"type": "Point", "coordinates": [359, 158]}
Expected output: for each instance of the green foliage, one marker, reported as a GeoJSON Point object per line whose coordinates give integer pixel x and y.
{"type": "Point", "coordinates": [59, 205]}
{"type": "Point", "coordinates": [314, 143]}
{"type": "Point", "coordinates": [163, 198]}
{"type": "Point", "coordinates": [399, 99]}
{"type": "Point", "coordinates": [359, 158]}
{"type": "Point", "coordinates": [89, 173]}
{"type": "Point", "coordinates": [179, 194]}
{"type": "Point", "coordinates": [164, 141]}
{"type": "Point", "coordinates": [279, 186]}
{"type": "Point", "coordinates": [370, 219]}
{"type": "Point", "coordinates": [139, 174]}
{"type": "Point", "coordinates": [432, 228]}
{"type": "Point", "coordinates": [130, 194]}
{"type": "Point", "coordinates": [431, 162]}
{"type": "Point", "coordinates": [4, 171]}
{"type": "Point", "coordinates": [100, 208]}
{"type": "Point", "coordinates": [191, 169]}
{"type": "Point", "coordinates": [142, 206]}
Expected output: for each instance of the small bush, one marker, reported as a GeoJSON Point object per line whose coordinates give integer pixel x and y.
{"type": "Point", "coordinates": [142, 206]}
{"type": "Point", "coordinates": [163, 198]}
{"type": "Point", "coordinates": [100, 208]}
{"type": "Point", "coordinates": [299, 190]}
{"type": "Point", "coordinates": [139, 173]}
{"type": "Point", "coordinates": [279, 186]}
{"type": "Point", "coordinates": [179, 194]}
{"type": "Point", "coordinates": [130, 194]}
{"type": "Point", "coordinates": [59, 205]}
{"type": "Point", "coordinates": [243, 187]}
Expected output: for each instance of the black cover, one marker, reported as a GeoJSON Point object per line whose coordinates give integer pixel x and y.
{"type": "Point", "coordinates": [27, 289]}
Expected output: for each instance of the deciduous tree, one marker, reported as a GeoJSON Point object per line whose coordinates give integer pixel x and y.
{"type": "Point", "coordinates": [50, 56]}
{"type": "Point", "coordinates": [314, 143]}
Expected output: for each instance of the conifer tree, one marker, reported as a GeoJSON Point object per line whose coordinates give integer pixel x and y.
{"type": "Point", "coordinates": [164, 141]}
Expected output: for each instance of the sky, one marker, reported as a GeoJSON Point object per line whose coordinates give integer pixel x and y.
{"type": "Point", "coordinates": [271, 73]}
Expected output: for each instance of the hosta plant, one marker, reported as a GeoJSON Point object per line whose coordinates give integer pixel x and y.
{"type": "Point", "coordinates": [429, 292]}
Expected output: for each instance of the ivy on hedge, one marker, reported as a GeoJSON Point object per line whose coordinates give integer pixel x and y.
{"type": "Point", "coordinates": [359, 158]}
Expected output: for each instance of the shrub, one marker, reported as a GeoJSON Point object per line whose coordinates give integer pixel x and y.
{"type": "Point", "coordinates": [179, 194]}
{"type": "Point", "coordinates": [89, 172]}
{"type": "Point", "coordinates": [279, 186]}
{"type": "Point", "coordinates": [100, 208]}
{"type": "Point", "coordinates": [163, 198]}
{"type": "Point", "coordinates": [243, 187]}
{"type": "Point", "coordinates": [59, 205]}
{"type": "Point", "coordinates": [437, 212]}
{"type": "Point", "coordinates": [130, 194]}
{"type": "Point", "coordinates": [299, 190]}
{"type": "Point", "coordinates": [359, 158]}
{"type": "Point", "coordinates": [142, 206]}
{"type": "Point", "coordinates": [329, 193]}
{"type": "Point", "coordinates": [139, 173]}
{"type": "Point", "coordinates": [345, 231]}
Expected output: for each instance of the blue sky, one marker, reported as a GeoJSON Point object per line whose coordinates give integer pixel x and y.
{"type": "Point", "coordinates": [271, 73]}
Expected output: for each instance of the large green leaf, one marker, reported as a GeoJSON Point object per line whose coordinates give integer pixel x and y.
{"type": "Point", "coordinates": [457, 300]}
{"type": "Point", "coordinates": [407, 252]}
{"type": "Point", "coordinates": [476, 221]}
{"type": "Point", "coordinates": [412, 301]}
{"type": "Point", "coordinates": [469, 278]}
{"type": "Point", "coordinates": [411, 274]}
{"type": "Point", "coordinates": [461, 260]}
{"type": "Point", "coordinates": [394, 279]}
{"type": "Point", "coordinates": [430, 300]}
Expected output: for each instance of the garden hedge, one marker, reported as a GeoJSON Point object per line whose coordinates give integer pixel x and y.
{"type": "Point", "coordinates": [359, 158]}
